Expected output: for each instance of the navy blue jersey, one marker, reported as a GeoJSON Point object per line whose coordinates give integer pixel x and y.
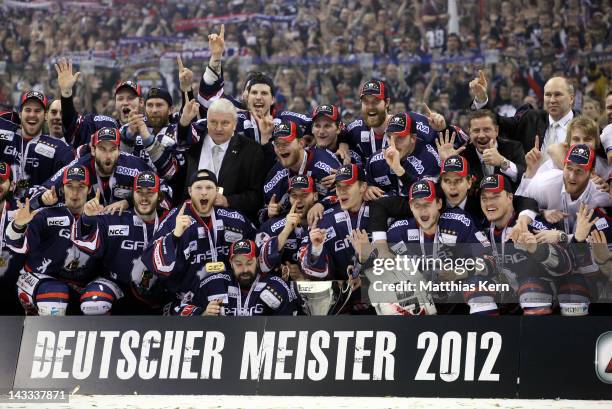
{"type": "Point", "coordinates": [34, 161]}
{"type": "Point", "coordinates": [49, 249]}
{"type": "Point", "coordinates": [80, 130]}
{"type": "Point", "coordinates": [363, 139]}
{"type": "Point", "coordinates": [268, 295]}
{"type": "Point", "coordinates": [338, 256]}
{"type": "Point", "coordinates": [422, 163]}
{"type": "Point", "coordinates": [10, 262]}
{"type": "Point", "coordinates": [180, 262]}
{"type": "Point", "coordinates": [270, 258]}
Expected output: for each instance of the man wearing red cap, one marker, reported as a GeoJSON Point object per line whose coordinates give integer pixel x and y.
{"type": "Point", "coordinates": [117, 241]}
{"type": "Point", "coordinates": [326, 128]}
{"type": "Point", "coordinates": [33, 156]}
{"type": "Point", "coordinates": [243, 291]}
{"type": "Point", "coordinates": [111, 171]}
{"type": "Point", "coordinates": [52, 259]}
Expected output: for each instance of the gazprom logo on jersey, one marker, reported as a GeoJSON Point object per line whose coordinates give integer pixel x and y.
{"type": "Point", "coordinates": [420, 126]}
{"type": "Point", "coordinates": [603, 357]}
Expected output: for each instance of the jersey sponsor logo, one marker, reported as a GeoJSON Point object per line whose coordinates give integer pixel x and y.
{"type": "Point", "coordinates": [271, 298]}
{"type": "Point", "coordinates": [398, 223]}
{"type": "Point", "coordinates": [122, 170]}
{"type": "Point", "coordinates": [456, 216]}
{"type": "Point", "coordinates": [434, 153]}
{"type": "Point", "coordinates": [330, 233]}
{"type": "Point", "coordinates": [278, 225]}
{"type": "Point", "coordinates": [260, 238]}
{"type": "Point", "coordinates": [365, 136]}
{"type": "Point", "coordinates": [378, 157]}
{"type": "Point", "coordinates": [342, 244]}
{"type": "Point", "coordinates": [99, 118]}
{"type": "Point", "coordinates": [413, 234]}
{"type": "Point", "coordinates": [274, 181]}
{"type": "Point", "coordinates": [601, 224]}
{"type": "Point", "coordinates": [11, 151]}
{"type": "Point", "coordinates": [383, 180]}
{"type": "Point", "coordinates": [58, 221]}
{"type": "Point", "coordinates": [399, 248]}
{"type": "Point", "coordinates": [232, 215]}
{"type": "Point", "coordinates": [219, 276]}
{"type": "Point", "coordinates": [45, 150]}
{"type": "Point", "coordinates": [340, 217]}
{"type": "Point", "coordinates": [65, 233]}
{"type": "Point", "coordinates": [33, 162]}
{"type": "Point", "coordinates": [232, 236]}
{"type": "Point", "coordinates": [6, 135]}
{"type": "Point", "coordinates": [482, 238]}
{"type": "Point", "coordinates": [324, 167]}
{"type": "Point", "coordinates": [355, 124]}
{"type": "Point", "coordinates": [420, 126]}
{"type": "Point", "coordinates": [121, 193]}
{"type": "Point", "coordinates": [118, 230]}
{"type": "Point", "coordinates": [536, 224]}
{"type": "Point", "coordinates": [417, 164]}
{"type": "Point", "coordinates": [447, 238]}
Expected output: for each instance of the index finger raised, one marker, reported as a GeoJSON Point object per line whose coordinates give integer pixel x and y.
{"type": "Point", "coordinates": [179, 61]}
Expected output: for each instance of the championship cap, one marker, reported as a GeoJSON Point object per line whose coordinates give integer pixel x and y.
{"type": "Point", "coordinates": [286, 131]}
{"type": "Point", "coordinates": [329, 111]}
{"type": "Point", "coordinates": [160, 93]}
{"type": "Point", "coordinates": [401, 124]}
{"type": "Point", "coordinates": [202, 174]}
{"type": "Point", "coordinates": [35, 95]}
{"type": "Point", "coordinates": [148, 180]}
{"type": "Point", "coordinates": [495, 183]}
{"type": "Point", "coordinates": [423, 189]}
{"type": "Point", "coordinates": [5, 171]}
{"type": "Point", "coordinates": [374, 87]}
{"type": "Point", "coordinates": [349, 174]}
{"type": "Point", "coordinates": [581, 155]}
{"type": "Point", "coordinates": [131, 85]}
{"type": "Point", "coordinates": [77, 173]}
{"type": "Point", "coordinates": [107, 134]}
{"type": "Point", "coordinates": [244, 248]}
{"type": "Point", "coordinates": [306, 183]}
{"type": "Point", "coordinates": [456, 164]}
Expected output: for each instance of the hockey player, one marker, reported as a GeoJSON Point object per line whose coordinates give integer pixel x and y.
{"type": "Point", "coordinates": [242, 291]}
{"type": "Point", "coordinates": [118, 240]}
{"type": "Point", "coordinates": [10, 263]}
{"type": "Point", "coordinates": [56, 273]}
{"type": "Point", "coordinates": [193, 240]}
{"type": "Point", "coordinates": [294, 159]}
{"type": "Point", "coordinates": [326, 128]}
{"type": "Point", "coordinates": [33, 156]}
{"type": "Point", "coordinates": [54, 120]}
{"type": "Point", "coordinates": [279, 238]}
{"type": "Point", "coordinates": [367, 135]}
{"type": "Point", "coordinates": [327, 253]}
{"type": "Point", "coordinates": [403, 162]}
{"type": "Point", "coordinates": [532, 269]}
{"type": "Point", "coordinates": [111, 171]}
{"type": "Point", "coordinates": [78, 129]}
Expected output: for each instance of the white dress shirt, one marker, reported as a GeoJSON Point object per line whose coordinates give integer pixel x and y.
{"type": "Point", "coordinates": [555, 133]}
{"type": "Point", "coordinates": [487, 170]}
{"type": "Point", "coordinates": [206, 160]}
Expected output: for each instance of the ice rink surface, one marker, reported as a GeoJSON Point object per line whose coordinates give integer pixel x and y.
{"type": "Point", "coordinates": [299, 402]}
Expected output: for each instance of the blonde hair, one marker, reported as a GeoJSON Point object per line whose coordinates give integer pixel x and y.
{"type": "Point", "coordinates": [589, 127]}
{"type": "Point", "coordinates": [223, 106]}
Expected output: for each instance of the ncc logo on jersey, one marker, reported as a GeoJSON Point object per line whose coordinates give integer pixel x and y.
{"type": "Point", "coordinates": [603, 357]}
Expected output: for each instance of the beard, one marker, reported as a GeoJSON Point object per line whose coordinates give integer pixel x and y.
{"type": "Point", "coordinates": [375, 121]}
{"type": "Point", "coordinates": [246, 279]}
{"type": "Point", "coordinates": [105, 168]}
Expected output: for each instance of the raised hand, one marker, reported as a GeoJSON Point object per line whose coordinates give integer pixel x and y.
{"type": "Point", "coordinates": [361, 243]}
{"type": "Point", "coordinates": [446, 145]}
{"type": "Point", "coordinates": [216, 42]}
{"type": "Point", "coordinates": [533, 158]}
{"type": "Point", "coordinates": [93, 206]}
{"type": "Point", "coordinates": [554, 216]}
{"type": "Point", "coordinates": [329, 180]}
{"type": "Point", "coordinates": [392, 157]}
{"type": "Point", "coordinates": [373, 193]}
{"type": "Point", "coordinates": [265, 124]}
{"type": "Point", "coordinates": [436, 120]}
{"type": "Point", "coordinates": [65, 78]}
{"type": "Point", "coordinates": [478, 87]}
{"type": "Point", "coordinates": [599, 245]}
{"type": "Point", "coordinates": [274, 208]}
{"type": "Point", "coordinates": [315, 214]}
{"type": "Point", "coordinates": [584, 222]}
{"type": "Point", "coordinates": [24, 214]}
{"type": "Point", "coordinates": [293, 218]}
{"type": "Point", "coordinates": [213, 308]}
{"type": "Point", "coordinates": [182, 222]}
{"type": "Point", "coordinates": [529, 241]}
{"type": "Point", "coordinates": [185, 76]}
{"type": "Point", "coordinates": [119, 207]}
{"type": "Point", "coordinates": [190, 111]}
{"type": "Point", "coordinates": [49, 198]}
{"type": "Point", "coordinates": [491, 156]}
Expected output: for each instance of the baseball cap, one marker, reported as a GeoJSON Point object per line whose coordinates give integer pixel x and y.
{"type": "Point", "coordinates": [106, 134]}
{"type": "Point", "coordinates": [131, 85]}
{"type": "Point", "coordinates": [374, 87]}
{"type": "Point", "coordinates": [581, 155]}
{"type": "Point", "coordinates": [306, 183]}
{"type": "Point", "coordinates": [5, 171]}
{"type": "Point", "coordinates": [423, 189]}
{"type": "Point", "coordinates": [159, 93]}
{"type": "Point", "coordinates": [455, 164]}
{"type": "Point", "coordinates": [243, 247]}
{"type": "Point", "coordinates": [329, 111]}
{"type": "Point", "coordinates": [78, 173]}
{"type": "Point", "coordinates": [202, 174]}
{"type": "Point", "coordinates": [349, 174]}
{"type": "Point", "coordinates": [36, 95]}
{"type": "Point", "coordinates": [495, 184]}
{"type": "Point", "coordinates": [401, 124]}
{"type": "Point", "coordinates": [286, 131]}
{"type": "Point", "coordinates": [148, 180]}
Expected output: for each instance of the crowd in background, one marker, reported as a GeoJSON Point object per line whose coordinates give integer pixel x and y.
{"type": "Point", "coordinates": [318, 52]}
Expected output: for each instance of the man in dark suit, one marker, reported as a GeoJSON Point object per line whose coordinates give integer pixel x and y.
{"type": "Point", "coordinates": [550, 123]}
{"type": "Point", "coordinates": [487, 153]}
{"type": "Point", "coordinates": [235, 159]}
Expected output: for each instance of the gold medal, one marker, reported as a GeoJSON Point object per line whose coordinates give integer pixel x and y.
{"type": "Point", "coordinates": [216, 267]}
{"type": "Point", "coordinates": [3, 262]}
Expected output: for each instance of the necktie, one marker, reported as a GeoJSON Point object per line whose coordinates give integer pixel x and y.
{"type": "Point", "coordinates": [216, 159]}
{"type": "Point", "coordinates": [549, 139]}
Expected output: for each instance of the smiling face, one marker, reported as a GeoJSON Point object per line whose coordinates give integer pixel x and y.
{"type": "Point", "coordinates": [374, 110]}
{"type": "Point", "coordinates": [203, 194]}
{"type": "Point", "coordinates": [259, 98]}
{"type": "Point", "coordinates": [426, 212]}
{"type": "Point", "coordinates": [455, 187]}
{"type": "Point", "coordinates": [325, 132]}
{"type": "Point", "coordinates": [495, 205]}
{"type": "Point", "coordinates": [145, 201]}
{"type": "Point", "coordinates": [289, 154]}
{"type": "Point", "coordinates": [304, 200]}
{"type": "Point", "coordinates": [483, 132]}
{"type": "Point", "coordinates": [32, 117]}
{"type": "Point", "coordinates": [157, 111]}
{"type": "Point", "coordinates": [125, 102]}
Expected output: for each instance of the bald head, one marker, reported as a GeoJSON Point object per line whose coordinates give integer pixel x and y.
{"type": "Point", "coordinates": [558, 97]}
